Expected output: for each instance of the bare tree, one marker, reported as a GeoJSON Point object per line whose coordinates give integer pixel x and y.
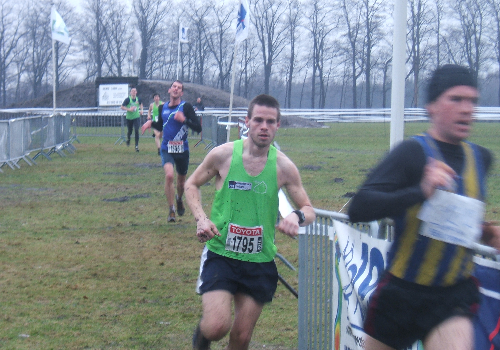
{"type": "Point", "coordinates": [385, 86]}
{"type": "Point", "coordinates": [92, 37]}
{"type": "Point", "coordinates": [249, 66]}
{"type": "Point", "coordinates": [21, 54]}
{"type": "Point", "coordinates": [199, 12]}
{"type": "Point", "coordinates": [270, 28]}
{"type": "Point", "coordinates": [495, 12]}
{"type": "Point", "coordinates": [150, 14]}
{"type": "Point", "coordinates": [321, 24]}
{"type": "Point", "coordinates": [439, 15]}
{"type": "Point", "coordinates": [293, 19]}
{"type": "Point", "coordinates": [420, 30]}
{"type": "Point", "coordinates": [38, 40]}
{"type": "Point", "coordinates": [117, 37]}
{"type": "Point", "coordinates": [471, 16]}
{"type": "Point", "coordinates": [220, 41]}
{"type": "Point", "coordinates": [10, 34]}
{"type": "Point", "coordinates": [373, 22]}
{"type": "Point", "coordinates": [352, 16]}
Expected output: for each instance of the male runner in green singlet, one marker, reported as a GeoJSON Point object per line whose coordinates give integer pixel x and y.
{"type": "Point", "coordinates": [237, 263]}
{"type": "Point", "coordinates": [153, 116]}
{"type": "Point", "coordinates": [133, 106]}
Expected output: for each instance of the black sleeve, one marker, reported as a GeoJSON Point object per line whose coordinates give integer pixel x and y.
{"type": "Point", "coordinates": [393, 186]}
{"type": "Point", "coordinates": [192, 120]}
{"type": "Point", "coordinates": [488, 158]}
{"type": "Point", "coordinates": [160, 110]}
{"type": "Point", "coordinates": [126, 102]}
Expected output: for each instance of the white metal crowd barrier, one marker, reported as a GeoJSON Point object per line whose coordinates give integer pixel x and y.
{"type": "Point", "coordinates": [360, 115]}
{"type": "Point", "coordinates": [113, 124]}
{"type": "Point", "coordinates": [317, 271]}
{"type": "Point", "coordinates": [20, 135]}
{"type": "Point", "coordinates": [44, 135]}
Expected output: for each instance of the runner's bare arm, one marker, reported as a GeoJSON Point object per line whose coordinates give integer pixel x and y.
{"type": "Point", "coordinates": [212, 166]}
{"type": "Point", "coordinates": [289, 177]}
{"type": "Point", "coordinates": [150, 110]}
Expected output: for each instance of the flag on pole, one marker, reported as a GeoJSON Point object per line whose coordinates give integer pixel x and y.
{"type": "Point", "coordinates": [183, 34]}
{"type": "Point", "coordinates": [243, 21]}
{"type": "Point", "coordinates": [58, 27]}
{"type": "Point", "coordinates": [136, 49]}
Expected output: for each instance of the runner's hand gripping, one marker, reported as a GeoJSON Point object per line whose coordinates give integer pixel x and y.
{"type": "Point", "coordinates": [206, 230]}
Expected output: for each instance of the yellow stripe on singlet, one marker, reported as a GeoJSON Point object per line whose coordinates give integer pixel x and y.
{"type": "Point", "coordinates": [454, 269]}
{"type": "Point", "coordinates": [471, 189]}
{"type": "Point", "coordinates": [432, 258]}
{"type": "Point", "coordinates": [408, 238]}
{"type": "Point", "coordinates": [471, 183]}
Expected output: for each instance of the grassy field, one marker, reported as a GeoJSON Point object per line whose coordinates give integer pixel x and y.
{"type": "Point", "coordinates": [88, 260]}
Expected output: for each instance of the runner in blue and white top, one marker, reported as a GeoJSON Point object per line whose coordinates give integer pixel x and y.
{"type": "Point", "coordinates": [176, 117]}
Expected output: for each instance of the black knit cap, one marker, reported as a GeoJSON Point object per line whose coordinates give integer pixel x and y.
{"type": "Point", "coordinates": [446, 77]}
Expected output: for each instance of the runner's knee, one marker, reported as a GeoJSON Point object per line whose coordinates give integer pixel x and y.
{"type": "Point", "coordinates": [215, 328]}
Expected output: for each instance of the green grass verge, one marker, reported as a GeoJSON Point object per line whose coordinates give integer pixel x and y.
{"type": "Point", "coordinates": [80, 269]}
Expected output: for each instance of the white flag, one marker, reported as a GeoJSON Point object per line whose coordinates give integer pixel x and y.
{"type": "Point", "coordinates": [183, 34]}
{"type": "Point", "coordinates": [243, 21]}
{"type": "Point", "coordinates": [136, 51]}
{"type": "Point", "coordinates": [58, 28]}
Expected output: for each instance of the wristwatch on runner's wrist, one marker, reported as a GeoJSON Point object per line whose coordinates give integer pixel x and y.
{"type": "Point", "coordinates": [301, 216]}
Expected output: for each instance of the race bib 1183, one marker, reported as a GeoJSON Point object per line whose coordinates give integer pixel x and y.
{"type": "Point", "coordinates": [452, 218]}
{"type": "Point", "coordinates": [176, 146]}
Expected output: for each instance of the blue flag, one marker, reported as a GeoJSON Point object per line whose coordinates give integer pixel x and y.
{"type": "Point", "coordinates": [243, 22]}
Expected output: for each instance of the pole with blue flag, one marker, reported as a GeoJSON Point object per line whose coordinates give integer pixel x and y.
{"type": "Point", "coordinates": [59, 33]}
{"type": "Point", "coordinates": [183, 38]}
{"type": "Point", "coordinates": [241, 34]}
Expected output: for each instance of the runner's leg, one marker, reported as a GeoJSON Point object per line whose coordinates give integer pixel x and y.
{"type": "Point", "coordinates": [373, 344]}
{"type": "Point", "coordinates": [456, 333]}
{"type": "Point", "coordinates": [157, 138]}
{"type": "Point", "coordinates": [169, 183]}
{"type": "Point", "coordinates": [246, 314]}
{"type": "Point", "coordinates": [181, 180]}
{"type": "Point", "coordinates": [216, 319]}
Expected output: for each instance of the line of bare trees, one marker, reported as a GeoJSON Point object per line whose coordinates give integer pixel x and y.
{"type": "Point", "coordinates": [308, 53]}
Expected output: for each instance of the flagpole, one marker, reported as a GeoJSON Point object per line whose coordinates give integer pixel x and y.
{"type": "Point", "coordinates": [236, 42]}
{"type": "Point", "coordinates": [178, 58]}
{"type": "Point", "coordinates": [53, 77]}
{"type": "Point", "coordinates": [59, 33]}
{"type": "Point", "coordinates": [228, 127]}
{"type": "Point", "coordinates": [178, 51]}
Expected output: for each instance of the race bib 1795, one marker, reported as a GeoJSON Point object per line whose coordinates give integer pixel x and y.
{"type": "Point", "coordinates": [242, 239]}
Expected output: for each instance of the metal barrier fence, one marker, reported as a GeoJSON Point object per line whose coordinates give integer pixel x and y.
{"type": "Point", "coordinates": [46, 134]}
{"type": "Point", "coordinates": [317, 271]}
{"type": "Point", "coordinates": [113, 124]}
{"type": "Point", "coordinates": [42, 134]}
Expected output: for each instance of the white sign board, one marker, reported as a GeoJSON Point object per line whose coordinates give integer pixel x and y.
{"type": "Point", "coordinates": [112, 94]}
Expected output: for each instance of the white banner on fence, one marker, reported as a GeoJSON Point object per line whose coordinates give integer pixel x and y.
{"type": "Point", "coordinates": [112, 94]}
{"type": "Point", "coordinates": [487, 321]}
{"type": "Point", "coordinates": [359, 262]}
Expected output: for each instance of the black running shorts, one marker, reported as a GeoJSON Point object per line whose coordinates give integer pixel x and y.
{"type": "Point", "coordinates": [258, 280]}
{"type": "Point", "coordinates": [401, 312]}
{"type": "Point", "coordinates": [181, 160]}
